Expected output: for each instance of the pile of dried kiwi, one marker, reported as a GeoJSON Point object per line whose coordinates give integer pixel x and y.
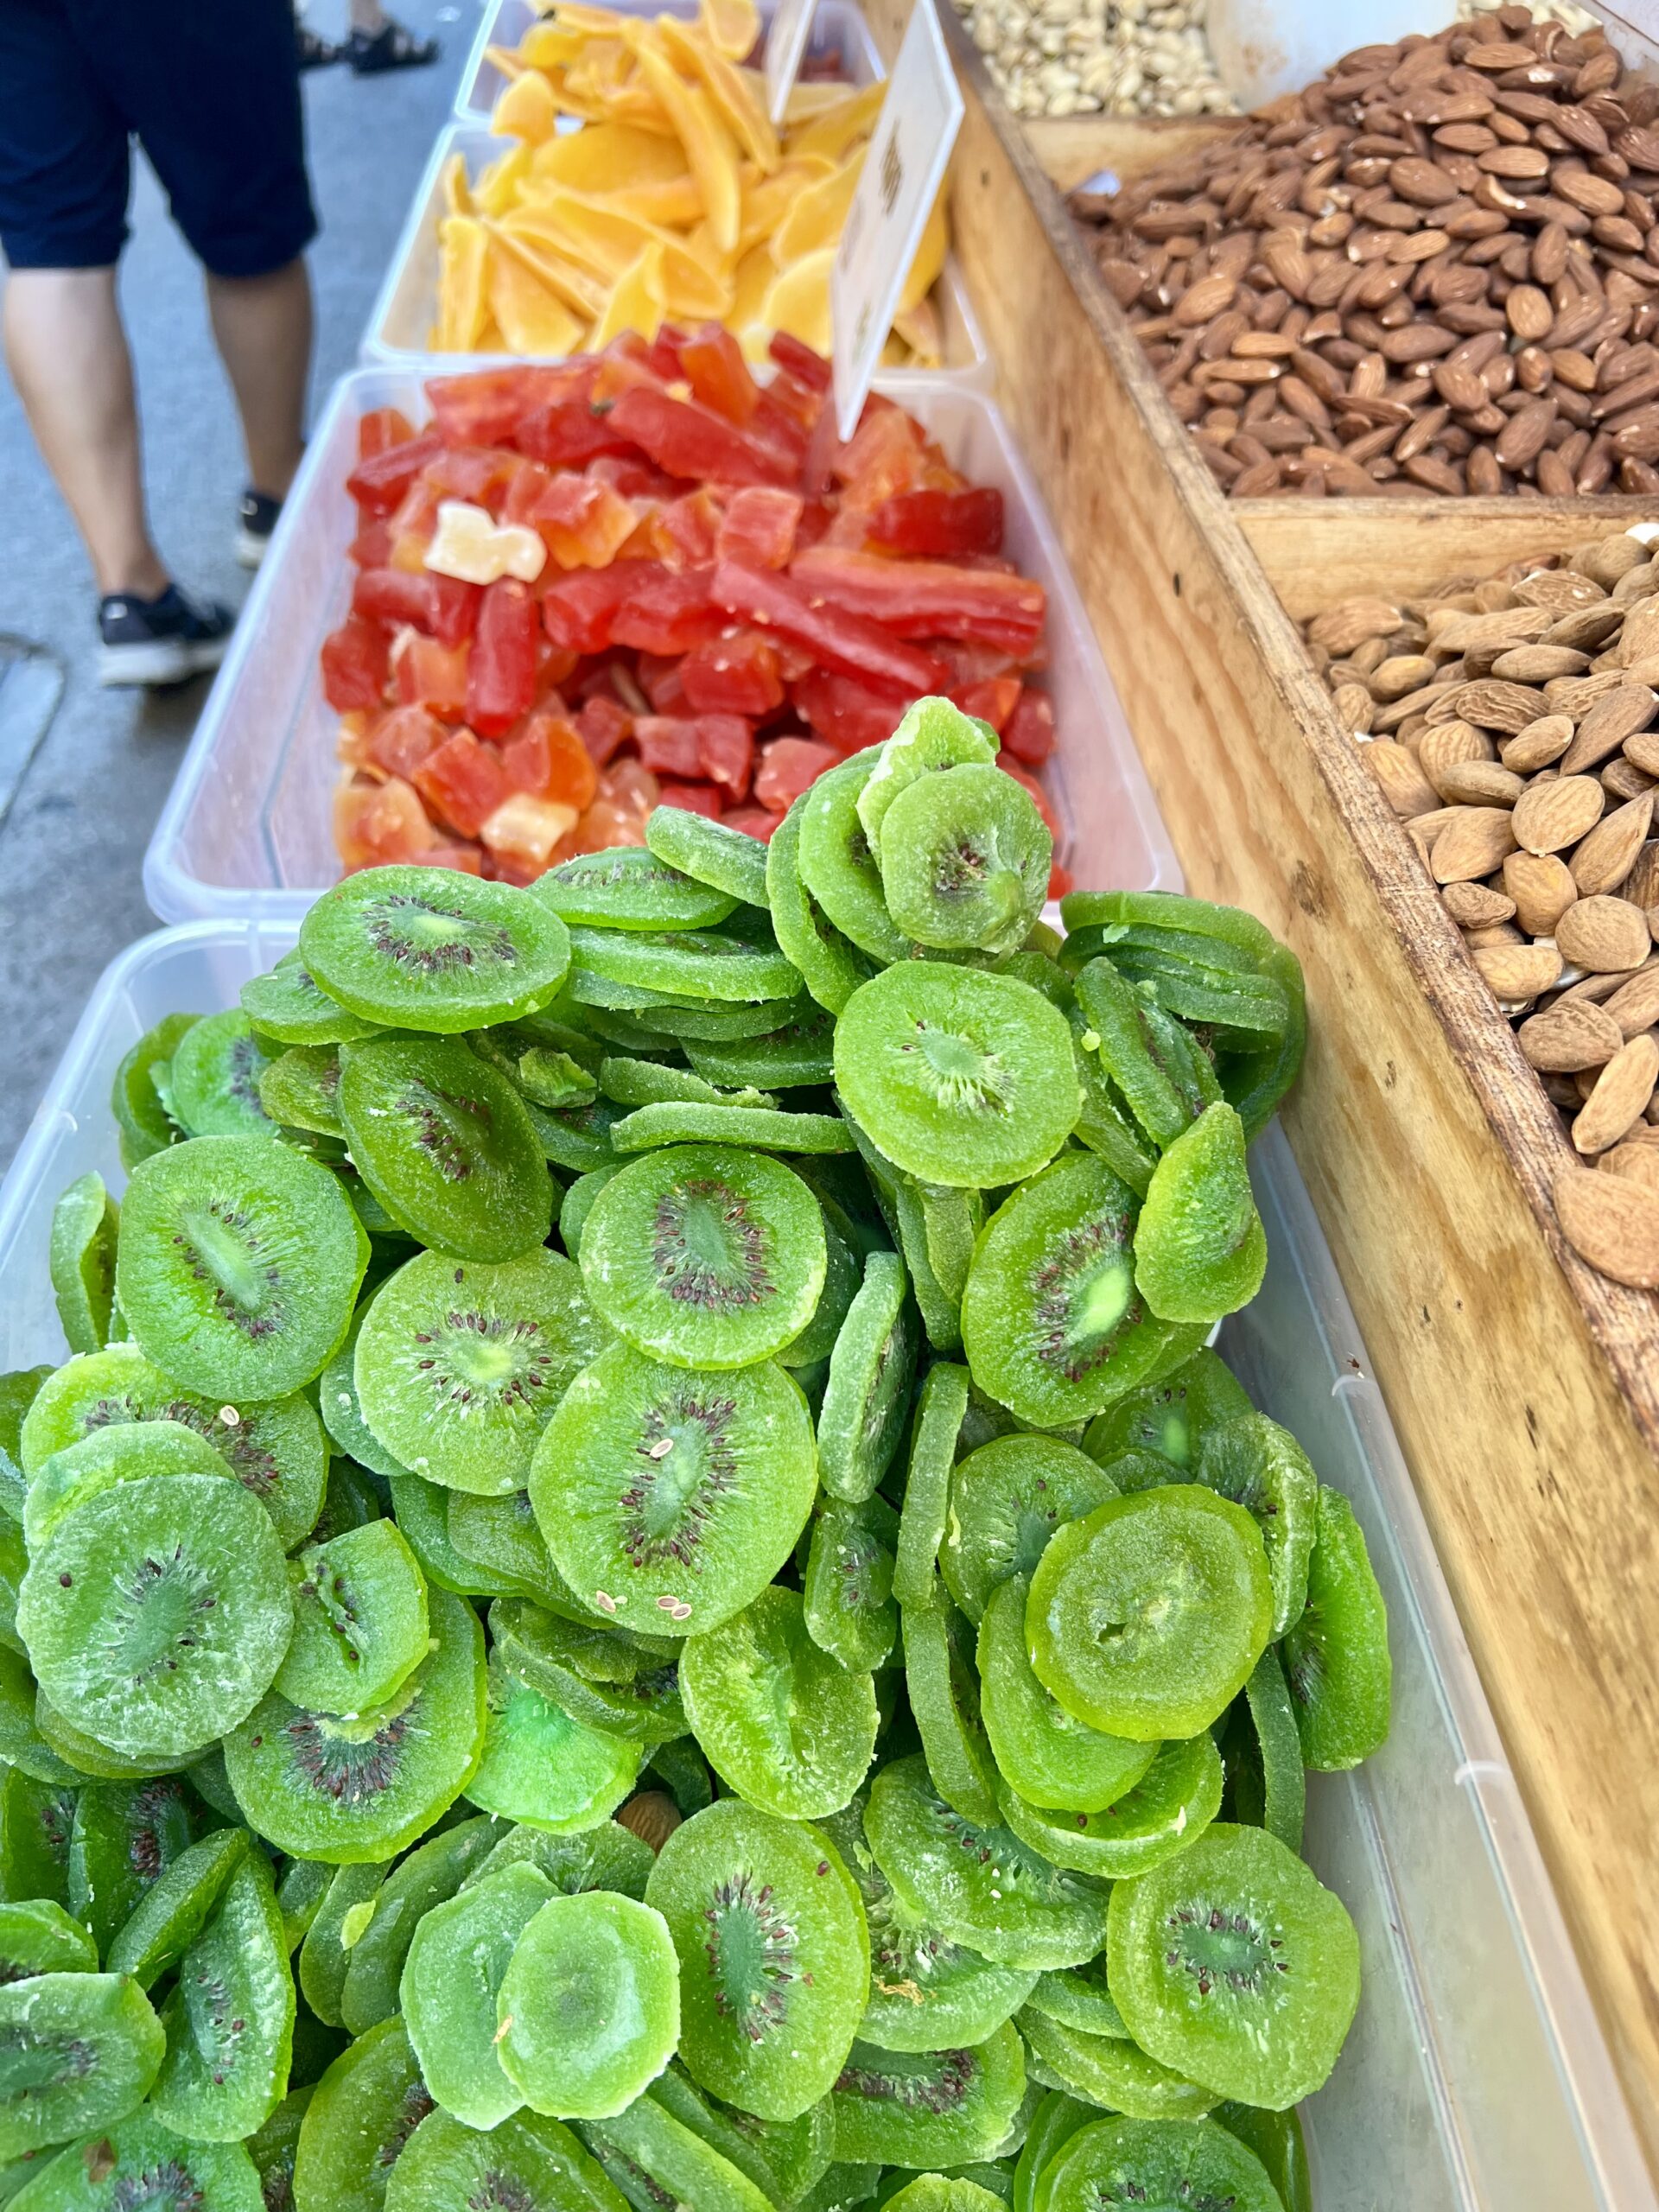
{"type": "Point", "coordinates": [798, 1697]}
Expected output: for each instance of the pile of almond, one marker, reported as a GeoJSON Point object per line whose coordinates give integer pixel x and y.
{"type": "Point", "coordinates": [1435, 270]}
{"type": "Point", "coordinates": [1510, 723]}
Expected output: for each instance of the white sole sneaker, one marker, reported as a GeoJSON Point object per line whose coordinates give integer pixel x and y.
{"type": "Point", "coordinates": [164, 660]}
{"type": "Point", "coordinates": [249, 548]}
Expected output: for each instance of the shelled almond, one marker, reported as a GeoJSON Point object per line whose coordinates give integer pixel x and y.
{"type": "Point", "coordinates": [1523, 761]}
{"type": "Point", "coordinates": [1435, 270]}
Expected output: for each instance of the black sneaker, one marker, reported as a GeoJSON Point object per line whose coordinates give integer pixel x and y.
{"type": "Point", "coordinates": [393, 47]}
{"type": "Point", "coordinates": [254, 520]}
{"type": "Point", "coordinates": [160, 640]}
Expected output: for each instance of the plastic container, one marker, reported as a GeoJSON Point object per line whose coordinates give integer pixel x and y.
{"type": "Point", "coordinates": [400, 324]}
{"type": "Point", "coordinates": [1476, 2079]}
{"type": "Point", "coordinates": [246, 826]}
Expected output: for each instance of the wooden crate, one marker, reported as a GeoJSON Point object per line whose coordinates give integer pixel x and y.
{"type": "Point", "coordinates": [1524, 1387]}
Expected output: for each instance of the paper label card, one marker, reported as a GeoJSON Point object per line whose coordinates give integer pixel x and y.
{"type": "Point", "coordinates": [786, 36]}
{"type": "Point", "coordinates": [903, 171]}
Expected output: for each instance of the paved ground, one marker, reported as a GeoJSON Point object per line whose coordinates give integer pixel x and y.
{"type": "Point", "coordinates": [73, 842]}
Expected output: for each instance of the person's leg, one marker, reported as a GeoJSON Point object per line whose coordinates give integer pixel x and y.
{"type": "Point", "coordinates": [69, 358]}
{"type": "Point", "coordinates": [262, 325]}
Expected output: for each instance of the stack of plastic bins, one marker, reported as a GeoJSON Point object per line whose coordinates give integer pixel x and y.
{"type": "Point", "coordinates": [1476, 2079]}
{"type": "Point", "coordinates": [246, 826]}
{"type": "Point", "coordinates": [400, 326]}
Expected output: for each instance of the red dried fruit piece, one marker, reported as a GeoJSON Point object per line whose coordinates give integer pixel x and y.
{"type": "Point", "coordinates": [695, 799]}
{"type": "Point", "coordinates": [687, 440]}
{"type": "Point", "coordinates": [380, 480]}
{"type": "Point", "coordinates": [480, 474]}
{"type": "Point", "coordinates": [354, 666]}
{"type": "Point", "coordinates": [660, 679]}
{"type": "Point", "coordinates": [567, 433]}
{"type": "Point", "coordinates": [993, 699]}
{"type": "Point", "coordinates": [665, 610]}
{"type": "Point", "coordinates": [683, 533]}
{"type": "Point", "coordinates": [668, 745]}
{"type": "Point", "coordinates": [381, 428]}
{"type": "Point", "coordinates": [413, 527]}
{"type": "Point", "coordinates": [486, 406]}
{"type": "Point", "coordinates": [759, 526]}
{"type": "Point", "coordinates": [1031, 783]}
{"type": "Point", "coordinates": [712, 363]}
{"type": "Point", "coordinates": [1029, 731]}
{"type": "Point", "coordinates": [548, 758]}
{"type": "Point", "coordinates": [583, 523]}
{"type": "Point", "coordinates": [848, 642]}
{"type": "Point", "coordinates": [426, 674]}
{"type": "Point", "coordinates": [753, 821]}
{"type": "Point", "coordinates": [735, 675]}
{"type": "Point", "coordinates": [790, 765]}
{"type": "Point", "coordinates": [444, 607]}
{"type": "Point", "coordinates": [371, 547]}
{"type": "Point", "coordinates": [501, 674]}
{"type": "Point", "coordinates": [939, 526]}
{"type": "Point", "coordinates": [604, 725]}
{"type": "Point", "coordinates": [463, 782]}
{"type": "Point", "coordinates": [726, 750]}
{"type": "Point", "coordinates": [578, 610]}
{"type": "Point", "coordinates": [846, 713]}
{"type": "Point", "coordinates": [799, 360]}
{"type": "Point", "coordinates": [377, 824]}
{"type": "Point", "coordinates": [926, 599]}
{"type": "Point", "coordinates": [403, 741]}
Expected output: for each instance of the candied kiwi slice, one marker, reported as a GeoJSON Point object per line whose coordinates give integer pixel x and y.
{"type": "Point", "coordinates": [138, 2161]}
{"type": "Point", "coordinates": [239, 1262]}
{"type": "Point", "coordinates": [430, 948]}
{"type": "Point", "coordinates": [1201, 1250]}
{"type": "Point", "coordinates": [157, 1612]}
{"type": "Point", "coordinates": [831, 967]}
{"type": "Point", "coordinates": [458, 1953]}
{"type": "Point", "coordinates": [837, 866]}
{"type": "Point", "coordinates": [709, 852]}
{"type": "Point", "coordinates": [1171, 1417]}
{"type": "Point", "coordinates": [288, 1006]}
{"type": "Point", "coordinates": [1128, 2161]}
{"type": "Point", "coordinates": [1335, 1654]}
{"type": "Point", "coordinates": [1175, 1799]}
{"type": "Point", "coordinates": [774, 1955]}
{"type": "Point", "coordinates": [1042, 1751]}
{"type": "Point", "coordinates": [38, 1936]}
{"type": "Point", "coordinates": [719, 964]}
{"type": "Point", "coordinates": [143, 1121]}
{"type": "Point", "coordinates": [671, 1497]}
{"type": "Point", "coordinates": [782, 1723]}
{"type": "Point", "coordinates": [1233, 1965]}
{"type": "Point", "coordinates": [1261, 1467]}
{"type": "Point", "coordinates": [706, 1256]}
{"type": "Point", "coordinates": [934, 734]}
{"type": "Point", "coordinates": [672, 2161]}
{"type": "Point", "coordinates": [588, 2008]}
{"type": "Point", "coordinates": [543, 1768]}
{"type": "Point", "coordinates": [965, 860]}
{"type": "Point", "coordinates": [360, 1787]}
{"type": "Point", "coordinates": [359, 1620]}
{"type": "Point", "coordinates": [847, 1583]}
{"type": "Point", "coordinates": [81, 1261]}
{"type": "Point", "coordinates": [629, 887]}
{"type": "Point", "coordinates": [459, 1366]}
{"type": "Point", "coordinates": [229, 2021]}
{"type": "Point", "coordinates": [521, 2163]}
{"type": "Point", "coordinates": [361, 2116]}
{"type": "Point", "coordinates": [125, 1838]}
{"type": "Point", "coordinates": [429, 1876]}
{"type": "Point", "coordinates": [962, 1077]}
{"type": "Point", "coordinates": [681, 1121]}
{"type": "Point", "coordinates": [174, 1910]}
{"type": "Point", "coordinates": [447, 1144]}
{"type": "Point", "coordinates": [1007, 1498]}
{"type": "Point", "coordinates": [214, 1079]}
{"type": "Point", "coordinates": [789, 1058]}
{"type": "Point", "coordinates": [866, 1396]}
{"type": "Point", "coordinates": [122, 1454]}
{"type": "Point", "coordinates": [1052, 1322]}
{"type": "Point", "coordinates": [930, 2108]}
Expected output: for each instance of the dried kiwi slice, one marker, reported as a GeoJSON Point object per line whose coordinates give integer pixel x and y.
{"type": "Point", "coordinates": [962, 1077]}
{"type": "Point", "coordinates": [1233, 1965]}
{"type": "Point", "coordinates": [38, 1936]}
{"type": "Point", "coordinates": [944, 1691]}
{"type": "Point", "coordinates": [831, 967]}
{"type": "Point", "coordinates": [429, 1876]}
{"type": "Point", "coordinates": [300, 1087]}
{"type": "Point", "coordinates": [139, 2162]}
{"type": "Point", "coordinates": [930, 2108]}
{"type": "Point", "coordinates": [848, 1585]}
{"type": "Point", "coordinates": [359, 1620]}
{"type": "Point", "coordinates": [1146, 1617]}
{"type": "Point", "coordinates": [706, 1256]}
{"type": "Point", "coordinates": [229, 2019]}
{"type": "Point", "coordinates": [500, 1536]}
{"type": "Point", "coordinates": [609, 1857]}
{"type": "Point", "coordinates": [214, 1079]}
{"type": "Point", "coordinates": [1051, 1316]}
{"type": "Point", "coordinates": [458, 1366]}
{"type": "Point", "coordinates": [836, 861]}
{"type": "Point", "coordinates": [1178, 1796]}
{"type": "Point", "coordinates": [143, 1121]}
{"type": "Point", "coordinates": [593, 1673]}
{"type": "Point", "coordinates": [83, 2050]}
{"type": "Point", "coordinates": [628, 887]}
{"type": "Point", "coordinates": [940, 1405]}
{"type": "Point", "coordinates": [361, 2116]}
{"type": "Point", "coordinates": [158, 1613]}
{"type": "Point", "coordinates": [347, 1909]}
{"type": "Point", "coordinates": [1007, 1499]}
{"type": "Point", "coordinates": [680, 1122]}
{"type": "Point", "coordinates": [1112, 2072]}
{"type": "Point", "coordinates": [1042, 1751]}
{"type": "Point", "coordinates": [589, 2005]}
{"type": "Point", "coordinates": [965, 859]}
{"type": "Point", "coordinates": [239, 1262]}
{"type": "Point", "coordinates": [81, 1261]}
{"type": "Point", "coordinates": [1335, 1654]}
{"type": "Point", "coordinates": [459, 1953]}
{"type": "Point", "coordinates": [789, 1057]}
{"type": "Point", "coordinates": [446, 1144]}
{"type": "Point", "coordinates": [1269, 1786]}
{"type": "Point", "coordinates": [1155, 2162]}
{"type": "Point", "coordinates": [36, 1817]}
{"type": "Point", "coordinates": [434, 950]}
{"type": "Point", "coordinates": [934, 734]}
{"type": "Point", "coordinates": [173, 1911]}
{"type": "Point", "coordinates": [774, 1955]}
{"type": "Point", "coordinates": [672, 2162]}
{"type": "Point", "coordinates": [978, 1881]}
{"type": "Point", "coordinates": [782, 1723]}
{"type": "Point", "coordinates": [671, 1497]}
{"type": "Point", "coordinates": [125, 1838]}
{"type": "Point", "coordinates": [525, 2162]}
{"type": "Point", "coordinates": [289, 1006]}
{"type": "Point", "coordinates": [868, 1393]}
{"type": "Point", "coordinates": [1172, 1417]}
{"type": "Point", "coordinates": [124, 1453]}
{"type": "Point", "coordinates": [1201, 1250]}
{"type": "Point", "coordinates": [1261, 1467]}
{"type": "Point", "coordinates": [349, 1790]}
{"type": "Point", "coordinates": [540, 1766]}
{"type": "Point", "coordinates": [709, 852]}
{"type": "Point", "coordinates": [720, 964]}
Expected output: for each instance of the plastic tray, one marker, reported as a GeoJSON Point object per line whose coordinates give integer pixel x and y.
{"type": "Point", "coordinates": [246, 826]}
{"type": "Point", "coordinates": [400, 323]}
{"type": "Point", "coordinates": [1476, 2079]}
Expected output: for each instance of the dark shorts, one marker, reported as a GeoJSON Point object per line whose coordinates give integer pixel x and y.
{"type": "Point", "coordinates": [210, 89]}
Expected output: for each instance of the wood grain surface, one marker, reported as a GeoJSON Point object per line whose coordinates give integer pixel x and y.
{"type": "Point", "coordinates": [1524, 1388]}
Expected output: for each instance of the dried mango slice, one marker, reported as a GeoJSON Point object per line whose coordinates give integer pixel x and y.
{"type": "Point", "coordinates": [839, 128]}
{"type": "Point", "coordinates": [930, 256]}
{"type": "Point", "coordinates": [677, 203]}
{"type": "Point", "coordinates": [710, 149]}
{"type": "Point", "coordinates": [919, 327]}
{"type": "Point", "coordinates": [607, 156]}
{"type": "Point", "coordinates": [732, 27]}
{"type": "Point", "coordinates": [767, 199]}
{"type": "Point", "coordinates": [632, 304]}
{"type": "Point", "coordinates": [800, 301]}
{"type": "Point", "coordinates": [532, 319]}
{"type": "Point", "coordinates": [566, 279]}
{"type": "Point", "coordinates": [507, 61]}
{"type": "Point", "coordinates": [736, 94]}
{"type": "Point", "coordinates": [526, 110]}
{"type": "Point", "coordinates": [817, 213]}
{"type": "Point", "coordinates": [463, 245]}
{"type": "Point", "coordinates": [496, 192]}
{"type": "Point", "coordinates": [548, 45]}
{"type": "Point", "coordinates": [599, 233]}
{"type": "Point", "coordinates": [457, 193]}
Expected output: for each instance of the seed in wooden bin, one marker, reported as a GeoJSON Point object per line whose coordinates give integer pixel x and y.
{"type": "Point", "coordinates": [1403, 784]}
{"type": "Point", "coordinates": [1606, 856]}
{"type": "Point", "coordinates": [1639, 638]}
{"type": "Point", "coordinates": [1539, 663]}
{"type": "Point", "coordinates": [1569, 1036]}
{"type": "Point", "coordinates": [1538, 746]}
{"type": "Point", "coordinates": [1549, 817]}
{"type": "Point", "coordinates": [1476, 906]}
{"type": "Point", "coordinates": [1340, 629]}
{"type": "Point", "coordinates": [1622, 1089]}
{"type": "Point", "coordinates": [1635, 1005]}
{"type": "Point", "coordinates": [1473, 844]}
{"type": "Point", "coordinates": [1402, 673]}
{"type": "Point", "coordinates": [1355, 707]}
{"type": "Point", "coordinates": [1491, 704]}
{"type": "Point", "coordinates": [1611, 1222]}
{"type": "Point", "coordinates": [1604, 936]}
{"type": "Point", "coordinates": [1542, 888]}
{"type": "Point", "coordinates": [1642, 751]}
{"type": "Point", "coordinates": [1480, 783]}
{"type": "Point", "coordinates": [1638, 1163]}
{"type": "Point", "coordinates": [1446, 745]}
{"type": "Point", "coordinates": [1516, 973]}
{"type": "Point", "coordinates": [1614, 717]}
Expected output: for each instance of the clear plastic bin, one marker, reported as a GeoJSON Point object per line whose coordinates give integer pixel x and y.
{"type": "Point", "coordinates": [1476, 2079]}
{"type": "Point", "coordinates": [399, 334]}
{"type": "Point", "coordinates": [246, 826]}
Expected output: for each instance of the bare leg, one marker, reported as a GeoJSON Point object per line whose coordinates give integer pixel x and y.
{"type": "Point", "coordinates": [69, 357]}
{"type": "Point", "coordinates": [262, 325]}
{"type": "Point", "coordinates": [367, 17]}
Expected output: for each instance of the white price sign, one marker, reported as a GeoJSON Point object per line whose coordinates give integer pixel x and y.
{"type": "Point", "coordinates": [902, 174]}
{"type": "Point", "coordinates": [786, 36]}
